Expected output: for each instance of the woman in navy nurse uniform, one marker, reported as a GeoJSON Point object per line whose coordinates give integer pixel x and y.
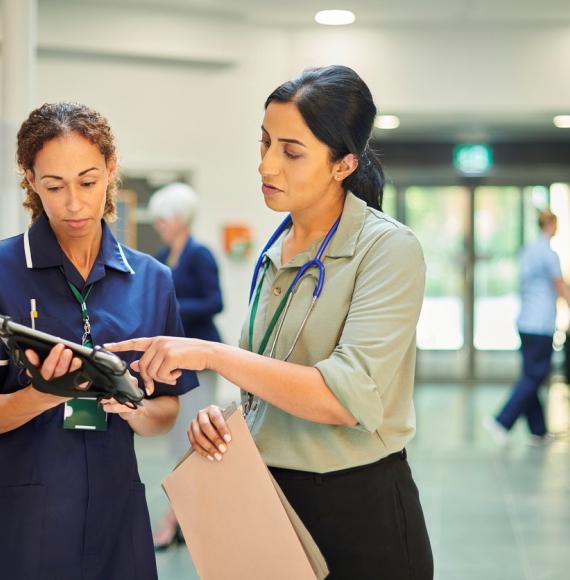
{"type": "Point", "coordinates": [72, 505]}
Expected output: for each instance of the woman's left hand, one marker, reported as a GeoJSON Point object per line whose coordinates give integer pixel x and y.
{"type": "Point", "coordinates": [124, 411]}
{"type": "Point", "coordinates": [164, 356]}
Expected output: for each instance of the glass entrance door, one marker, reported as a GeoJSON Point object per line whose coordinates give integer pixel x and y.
{"type": "Point", "coordinates": [471, 237]}
{"type": "Point", "coordinates": [497, 238]}
{"type": "Point", "coordinates": [439, 216]}
{"type": "Point", "coordinates": [499, 233]}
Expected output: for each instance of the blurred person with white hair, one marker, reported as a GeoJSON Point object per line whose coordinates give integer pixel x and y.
{"type": "Point", "coordinates": [195, 272]}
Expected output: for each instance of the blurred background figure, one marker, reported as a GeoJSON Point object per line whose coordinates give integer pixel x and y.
{"type": "Point", "coordinates": [195, 272]}
{"type": "Point", "coordinates": [541, 284]}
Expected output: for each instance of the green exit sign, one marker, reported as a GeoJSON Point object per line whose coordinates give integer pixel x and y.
{"type": "Point", "coordinates": [473, 159]}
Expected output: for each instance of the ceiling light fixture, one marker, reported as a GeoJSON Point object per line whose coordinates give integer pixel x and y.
{"type": "Point", "coordinates": [335, 17]}
{"type": "Point", "coordinates": [562, 121]}
{"type": "Point", "coordinates": [387, 122]}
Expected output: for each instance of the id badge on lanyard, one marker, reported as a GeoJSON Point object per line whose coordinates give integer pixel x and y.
{"type": "Point", "coordinates": [85, 414]}
{"type": "Point", "coordinates": [82, 412]}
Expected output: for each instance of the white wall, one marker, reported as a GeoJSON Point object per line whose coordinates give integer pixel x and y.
{"type": "Point", "coordinates": [475, 68]}
{"type": "Point", "coordinates": [187, 92]}
{"type": "Point", "coordinates": [173, 113]}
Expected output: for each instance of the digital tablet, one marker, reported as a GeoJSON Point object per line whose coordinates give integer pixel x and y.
{"type": "Point", "coordinates": [105, 373]}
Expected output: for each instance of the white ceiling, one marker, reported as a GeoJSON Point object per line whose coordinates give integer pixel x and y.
{"type": "Point", "coordinates": [297, 13]}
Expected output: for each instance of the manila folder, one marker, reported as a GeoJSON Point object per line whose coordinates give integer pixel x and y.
{"type": "Point", "coordinates": [236, 521]}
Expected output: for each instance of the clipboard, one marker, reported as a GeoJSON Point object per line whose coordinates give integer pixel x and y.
{"type": "Point", "coordinates": [236, 521]}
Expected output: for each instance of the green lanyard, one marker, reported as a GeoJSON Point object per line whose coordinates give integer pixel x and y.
{"type": "Point", "coordinates": [86, 339]}
{"type": "Point", "coordinates": [274, 319]}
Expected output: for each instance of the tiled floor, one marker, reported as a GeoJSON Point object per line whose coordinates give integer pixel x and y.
{"type": "Point", "coordinates": [492, 513]}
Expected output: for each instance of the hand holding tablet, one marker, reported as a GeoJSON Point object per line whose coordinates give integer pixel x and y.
{"type": "Point", "coordinates": [106, 374]}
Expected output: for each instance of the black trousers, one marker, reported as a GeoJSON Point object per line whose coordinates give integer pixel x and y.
{"type": "Point", "coordinates": [367, 521]}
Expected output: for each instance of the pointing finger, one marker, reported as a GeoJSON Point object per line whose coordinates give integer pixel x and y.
{"type": "Point", "coordinates": [135, 344]}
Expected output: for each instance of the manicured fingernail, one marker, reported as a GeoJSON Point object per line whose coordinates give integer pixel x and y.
{"type": "Point", "coordinates": [210, 458]}
{"type": "Point", "coordinates": [218, 456]}
{"type": "Point", "coordinates": [222, 448]}
{"type": "Point", "coordinates": [227, 437]}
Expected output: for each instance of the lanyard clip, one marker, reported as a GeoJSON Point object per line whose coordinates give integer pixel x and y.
{"type": "Point", "coordinates": [86, 338]}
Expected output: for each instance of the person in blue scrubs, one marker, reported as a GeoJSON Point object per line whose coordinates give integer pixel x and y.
{"type": "Point", "coordinates": [541, 284]}
{"type": "Point", "coordinates": [71, 501]}
{"type": "Point", "coordinates": [195, 273]}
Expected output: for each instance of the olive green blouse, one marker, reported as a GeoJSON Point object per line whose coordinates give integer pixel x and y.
{"type": "Point", "coordinates": [361, 336]}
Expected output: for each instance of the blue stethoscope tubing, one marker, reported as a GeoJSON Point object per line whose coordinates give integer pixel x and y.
{"type": "Point", "coordinates": [316, 262]}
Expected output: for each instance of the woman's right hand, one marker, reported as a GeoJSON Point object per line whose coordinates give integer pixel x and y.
{"type": "Point", "coordinates": [23, 405]}
{"type": "Point", "coordinates": [209, 433]}
{"type": "Point", "coordinates": [60, 361]}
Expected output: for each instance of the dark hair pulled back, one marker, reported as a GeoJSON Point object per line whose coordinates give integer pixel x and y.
{"type": "Point", "coordinates": [338, 108]}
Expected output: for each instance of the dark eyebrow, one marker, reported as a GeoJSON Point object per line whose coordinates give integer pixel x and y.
{"type": "Point", "coordinates": [294, 141]}
{"type": "Point", "coordinates": [88, 170]}
{"type": "Point", "coordinates": [284, 140]}
{"type": "Point", "coordinates": [79, 174]}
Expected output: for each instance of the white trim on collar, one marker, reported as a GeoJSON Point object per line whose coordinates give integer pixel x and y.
{"type": "Point", "coordinates": [4, 363]}
{"type": "Point", "coordinates": [125, 259]}
{"type": "Point", "coordinates": [27, 249]}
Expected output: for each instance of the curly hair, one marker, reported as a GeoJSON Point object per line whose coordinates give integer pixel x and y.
{"type": "Point", "coordinates": [53, 120]}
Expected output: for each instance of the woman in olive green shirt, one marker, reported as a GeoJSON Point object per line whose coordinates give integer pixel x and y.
{"type": "Point", "coordinates": [327, 383]}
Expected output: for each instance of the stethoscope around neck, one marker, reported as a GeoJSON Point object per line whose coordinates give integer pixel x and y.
{"type": "Point", "coordinates": [283, 308]}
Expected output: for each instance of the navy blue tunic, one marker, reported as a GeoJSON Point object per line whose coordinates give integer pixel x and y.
{"type": "Point", "coordinates": [197, 288]}
{"type": "Point", "coordinates": [72, 506]}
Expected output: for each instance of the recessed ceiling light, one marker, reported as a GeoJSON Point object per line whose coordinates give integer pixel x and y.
{"type": "Point", "coordinates": [562, 121]}
{"type": "Point", "coordinates": [335, 17]}
{"type": "Point", "coordinates": [387, 122]}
